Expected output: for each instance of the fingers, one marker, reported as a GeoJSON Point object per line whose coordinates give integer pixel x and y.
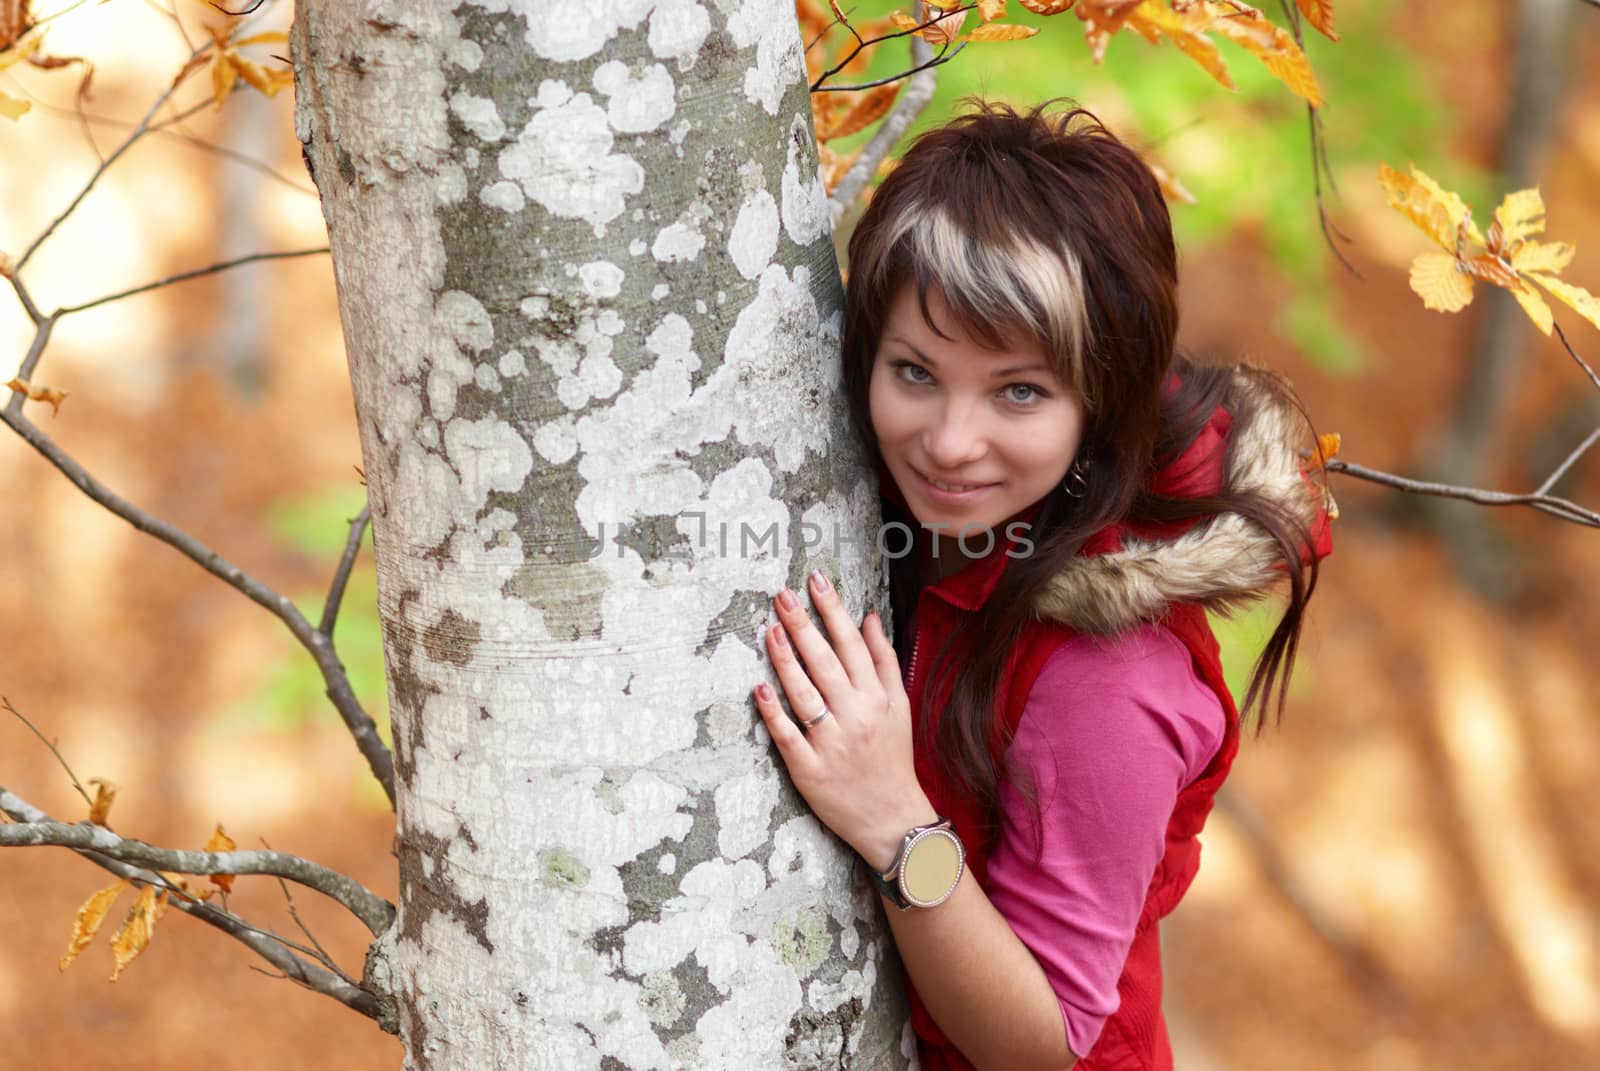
{"type": "Point", "coordinates": [804, 698]}
{"type": "Point", "coordinates": [848, 647]}
{"type": "Point", "coordinates": [884, 660]}
{"type": "Point", "coordinates": [820, 661]}
{"type": "Point", "coordinates": [792, 743]}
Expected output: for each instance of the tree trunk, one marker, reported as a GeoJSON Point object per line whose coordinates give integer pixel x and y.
{"type": "Point", "coordinates": [591, 310]}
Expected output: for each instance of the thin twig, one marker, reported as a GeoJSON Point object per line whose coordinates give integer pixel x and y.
{"type": "Point", "coordinates": [1572, 458]}
{"type": "Point", "coordinates": [910, 104]}
{"type": "Point", "coordinates": [51, 745]}
{"type": "Point", "coordinates": [341, 575]}
{"type": "Point", "coordinates": [816, 87]}
{"type": "Point", "coordinates": [362, 728]}
{"type": "Point", "coordinates": [30, 361]}
{"type": "Point", "coordinates": [941, 58]}
{"type": "Point", "coordinates": [269, 947]}
{"type": "Point", "coordinates": [1559, 507]}
{"type": "Point", "coordinates": [320, 953]}
{"type": "Point", "coordinates": [1583, 364]}
{"type": "Point", "coordinates": [194, 273]}
{"type": "Point", "coordinates": [374, 912]}
{"type": "Point", "coordinates": [128, 143]}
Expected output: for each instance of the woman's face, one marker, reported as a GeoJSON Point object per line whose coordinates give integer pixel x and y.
{"type": "Point", "coordinates": [971, 435]}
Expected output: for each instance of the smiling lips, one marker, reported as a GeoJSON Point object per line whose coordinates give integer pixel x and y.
{"type": "Point", "coordinates": [952, 488]}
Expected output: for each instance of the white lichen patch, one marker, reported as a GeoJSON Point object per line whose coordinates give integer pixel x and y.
{"type": "Point", "coordinates": [659, 291]}
{"type": "Point", "coordinates": [581, 357]}
{"type": "Point", "coordinates": [753, 239]}
{"type": "Point", "coordinates": [744, 811]}
{"type": "Point", "coordinates": [601, 279]}
{"type": "Point", "coordinates": [512, 364]}
{"type": "Point", "coordinates": [677, 242]}
{"type": "Point", "coordinates": [566, 30]}
{"type": "Point", "coordinates": [563, 159]}
{"type": "Point", "coordinates": [504, 195]}
{"type": "Point", "coordinates": [677, 30]}
{"type": "Point", "coordinates": [770, 26]}
{"type": "Point", "coordinates": [805, 194]}
{"type": "Point", "coordinates": [635, 105]}
{"type": "Point", "coordinates": [478, 114]}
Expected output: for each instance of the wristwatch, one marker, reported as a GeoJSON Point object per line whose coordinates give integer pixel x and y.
{"type": "Point", "coordinates": [927, 869]}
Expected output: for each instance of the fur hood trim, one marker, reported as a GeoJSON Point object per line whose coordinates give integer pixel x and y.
{"type": "Point", "coordinates": [1219, 564]}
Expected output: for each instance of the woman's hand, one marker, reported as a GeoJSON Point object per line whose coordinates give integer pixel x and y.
{"type": "Point", "coordinates": [854, 766]}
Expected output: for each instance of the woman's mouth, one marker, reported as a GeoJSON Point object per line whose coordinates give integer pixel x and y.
{"type": "Point", "coordinates": [953, 493]}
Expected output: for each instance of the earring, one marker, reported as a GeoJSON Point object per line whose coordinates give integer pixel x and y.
{"type": "Point", "coordinates": [1076, 483]}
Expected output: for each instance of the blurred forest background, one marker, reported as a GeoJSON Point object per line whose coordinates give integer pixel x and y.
{"type": "Point", "coordinates": [1401, 878]}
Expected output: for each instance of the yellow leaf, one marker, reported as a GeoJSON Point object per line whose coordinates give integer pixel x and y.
{"type": "Point", "coordinates": [13, 107]}
{"type": "Point", "coordinates": [1271, 44]}
{"type": "Point", "coordinates": [1320, 14]}
{"type": "Point", "coordinates": [275, 38]}
{"type": "Point", "coordinates": [996, 31]}
{"type": "Point", "coordinates": [1187, 31]}
{"type": "Point", "coordinates": [52, 395]}
{"type": "Point", "coordinates": [88, 919]}
{"type": "Point", "coordinates": [105, 794]}
{"type": "Point", "coordinates": [1577, 298]}
{"type": "Point", "coordinates": [21, 51]}
{"type": "Point", "coordinates": [136, 931]}
{"type": "Point", "coordinates": [1171, 188]}
{"type": "Point", "coordinates": [1536, 308]}
{"type": "Point", "coordinates": [989, 10]}
{"type": "Point", "coordinates": [1440, 213]}
{"type": "Point", "coordinates": [1440, 283]}
{"type": "Point", "coordinates": [223, 76]}
{"type": "Point", "coordinates": [221, 842]}
{"type": "Point", "coordinates": [1533, 255]}
{"type": "Point", "coordinates": [1520, 215]}
{"type": "Point", "coordinates": [902, 21]}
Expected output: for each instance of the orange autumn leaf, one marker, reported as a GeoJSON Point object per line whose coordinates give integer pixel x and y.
{"type": "Point", "coordinates": [105, 794]}
{"type": "Point", "coordinates": [989, 10]}
{"type": "Point", "coordinates": [996, 31]}
{"type": "Point", "coordinates": [873, 104]}
{"type": "Point", "coordinates": [1047, 7]}
{"type": "Point", "coordinates": [1171, 188]}
{"type": "Point", "coordinates": [86, 923]}
{"type": "Point", "coordinates": [1511, 257]}
{"type": "Point", "coordinates": [53, 396]}
{"type": "Point", "coordinates": [134, 935]}
{"type": "Point", "coordinates": [221, 842]}
{"type": "Point", "coordinates": [1274, 46]}
{"type": "Point", "coordinates": [1320, 14]}
{"type": "Point", "coordinates": [1326, 450]}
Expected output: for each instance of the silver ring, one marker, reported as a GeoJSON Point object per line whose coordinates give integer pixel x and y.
{"type": "Point", "coordinates": [809, 722]}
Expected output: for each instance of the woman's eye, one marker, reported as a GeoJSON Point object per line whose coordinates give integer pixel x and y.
{"type": "Point", "coordinates": [1031, 395]}
{"type": "Point", "coordinates": [912, 373]}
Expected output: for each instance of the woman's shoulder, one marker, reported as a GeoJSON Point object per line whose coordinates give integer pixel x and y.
{"type": "Point", "coordinates": [1121, 696]}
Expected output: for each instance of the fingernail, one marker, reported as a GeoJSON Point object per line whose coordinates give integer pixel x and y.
{"type": "Point", "coordinates": [778, 636]}
{"type": "Point", "coordinates": [819, 581]}
{"type": "Point", "coordinates": [764, 691]}
{"type": "Point", "coordinates": [787, 600]}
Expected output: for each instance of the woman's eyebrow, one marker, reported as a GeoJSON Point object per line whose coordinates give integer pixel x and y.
{"type": "Point", "coordinates": [998, 373]}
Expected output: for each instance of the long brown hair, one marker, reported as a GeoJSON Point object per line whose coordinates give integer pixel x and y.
{"type": "Point", "coordinates": [1041, 224]}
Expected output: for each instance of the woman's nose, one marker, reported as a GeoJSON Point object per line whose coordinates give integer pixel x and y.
{"type": "Point", "coordinates": [955, 439]}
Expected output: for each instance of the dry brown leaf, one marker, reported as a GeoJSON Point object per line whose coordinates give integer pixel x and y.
{"type": "Point", "coordinates": [989, 10]}
{"type": "Point", "coordinates": [945, 28]}
{"type": "Point", "coordinates": [221, 842]}
{"type": "Point", "coordinates": [8, 264]}
{"type": "Point", "coordinates": [1002, 31]}
{"type": "Point", "coordinates": [137, 929]}
{"type": "Point", "coordinates": [53, 395]}
{"type": "Point", "coordinates": [873, 104]}
{"type": "Point", "coordinates": [105, 793]}
{"type": "Point", "coordinates": [1101, 19]}
{"type": "Point", "coordinates": [86, 923]}
{"type": "Point", "coordinates": [1047, 7]}
{"type": "Point", "coordinates": [223, 77]}
{"type": "Point", "coordinates": [1320, 14]}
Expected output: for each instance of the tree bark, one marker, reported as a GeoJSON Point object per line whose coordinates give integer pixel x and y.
{"type": "Point", "coordinates": [591, 311]}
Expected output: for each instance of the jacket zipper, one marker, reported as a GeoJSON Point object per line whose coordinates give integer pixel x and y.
{"type": "Point", "coordinates": [916, 648]}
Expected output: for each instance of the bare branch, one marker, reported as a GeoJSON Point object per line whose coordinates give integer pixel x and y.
{"type": "Point", "coordinates": [358, 721]}
{"type": "Point", "coordinates": [375, 1006]}
{"type": "Point", "coordinates": [128, 143]}
{"type": "Point", "coordinates": [341, 575]}
{"type": "Point", "coordinates": [817, 86]}
{"type": "Point", "coordinates": [1583, 364]}
{"type": "Point", "coordinates": [936, 61]}
{"type": "Point", "coordinates": [910, 104]}
{"type": "Point", "coordinates": [192, 274]}
{"type": "Point", "coordinates": [53, 750]}
{"type": "Point", "coordinates": [41, 337]}
{"type": "Point", "coordinates": [1559, 507]}
{"type": "Point", "coordinates": [1572, 458]}
{"type": "Point", "coordinates": [374, 912]}
{"type": "Point", "coordinates": [320, 953]}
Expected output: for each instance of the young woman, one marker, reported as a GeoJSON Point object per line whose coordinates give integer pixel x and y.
{"type": "Point", "coordinates": [1026, 766]}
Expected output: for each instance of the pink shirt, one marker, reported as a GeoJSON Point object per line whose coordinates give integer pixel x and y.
{"type": "Point", "coordinates": [1110, 733]}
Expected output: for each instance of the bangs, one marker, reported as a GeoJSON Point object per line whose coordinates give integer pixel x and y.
{"type": "Point", "coordinates": [999, 289]}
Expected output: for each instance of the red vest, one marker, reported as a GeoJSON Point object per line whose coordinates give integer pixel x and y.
{"type": "Point", "coordinates": [1134, 1037]}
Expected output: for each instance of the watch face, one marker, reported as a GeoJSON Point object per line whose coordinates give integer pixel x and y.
{"type": "Point", "coordinates": [932, 868]}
